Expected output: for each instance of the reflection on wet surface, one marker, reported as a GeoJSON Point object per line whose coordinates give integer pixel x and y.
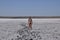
{"type": "Point", "coordinates": [16, 30]}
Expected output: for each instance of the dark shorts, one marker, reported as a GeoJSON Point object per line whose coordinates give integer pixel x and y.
{"type": "Point", "coordinates": [30, 23]}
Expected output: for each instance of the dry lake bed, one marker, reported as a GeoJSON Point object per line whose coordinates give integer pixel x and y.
{"type": "Point", "coordinates": [42, 29]}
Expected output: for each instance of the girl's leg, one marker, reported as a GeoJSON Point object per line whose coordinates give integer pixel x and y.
{"type": "Point", "coordinates": [30, 26]}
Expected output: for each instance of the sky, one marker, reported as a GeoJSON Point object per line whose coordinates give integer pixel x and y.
{"type": "Point", "coordinates": [29, 7]}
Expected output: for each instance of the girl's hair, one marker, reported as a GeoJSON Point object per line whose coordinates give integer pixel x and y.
{"type": "Point", "coordinates": [29, 17]}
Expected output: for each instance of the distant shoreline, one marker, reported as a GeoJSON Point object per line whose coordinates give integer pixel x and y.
{"type": "Point", "coordinates": [17, 17]}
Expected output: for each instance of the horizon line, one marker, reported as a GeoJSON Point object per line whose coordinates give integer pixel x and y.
{"type": "Point", "coordinates": [29, 16]}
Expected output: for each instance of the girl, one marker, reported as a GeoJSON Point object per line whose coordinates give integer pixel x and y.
{"type": "Point", "coordinates": [30, 23]}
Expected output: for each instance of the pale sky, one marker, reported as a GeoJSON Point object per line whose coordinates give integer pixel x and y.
{"type": "Point", "coordinates": [29, 7]}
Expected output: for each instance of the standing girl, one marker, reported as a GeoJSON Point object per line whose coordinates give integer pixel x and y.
{"type": "Point", "coordinates": [30, 23]}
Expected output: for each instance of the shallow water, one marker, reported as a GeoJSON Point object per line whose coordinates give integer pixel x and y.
{"type": "Point", "coordinates": [48, 28]}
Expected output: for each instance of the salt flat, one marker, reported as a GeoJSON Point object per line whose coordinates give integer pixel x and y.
{"type": "Point", "coordinates": [49, 28]}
